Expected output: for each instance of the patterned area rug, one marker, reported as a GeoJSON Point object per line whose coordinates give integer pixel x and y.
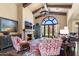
{"type": "Point", "coordinates": [11, 52]}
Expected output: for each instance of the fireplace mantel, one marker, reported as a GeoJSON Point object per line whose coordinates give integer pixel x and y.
{"type": "Point", "coordinates": [28, 32]}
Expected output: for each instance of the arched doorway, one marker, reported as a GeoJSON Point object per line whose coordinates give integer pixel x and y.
{"type": "Point", "coordinates": [48, 26]}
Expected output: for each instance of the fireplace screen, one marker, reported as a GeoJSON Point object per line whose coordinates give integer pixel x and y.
{"type": "Point", "coordinates": [29, 37]}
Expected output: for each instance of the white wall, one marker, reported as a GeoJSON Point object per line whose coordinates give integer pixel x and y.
{"type": "Point", "coordinates": [8, 10]}
{"type": "Point", "coordinates": [74, 25]}
{"type": "Point", "coordinates": [27, 15]}
{"type": "Point", "coordinates": [72, 16]}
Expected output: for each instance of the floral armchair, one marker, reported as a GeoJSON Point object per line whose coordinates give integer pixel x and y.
{"type": "Point", "coordinates": [50, 47]}
{"type": "Point", "coordinates": [19, 44]}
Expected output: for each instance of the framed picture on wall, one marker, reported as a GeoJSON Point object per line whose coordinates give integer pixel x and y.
{"type": "Point", "coordinates": [8, 25]}
{"type": "Point", "coordinates": [28, 25]}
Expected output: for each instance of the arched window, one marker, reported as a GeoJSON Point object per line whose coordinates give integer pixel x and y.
{"type": "Point", "coordinates": [48, 21]}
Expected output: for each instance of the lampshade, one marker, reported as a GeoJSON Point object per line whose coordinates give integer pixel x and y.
{"type": "Point", "coordinates": [64, 31]}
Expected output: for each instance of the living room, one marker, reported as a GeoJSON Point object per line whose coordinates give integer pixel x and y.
{"type": "Point", "coordinates": [37, 21]}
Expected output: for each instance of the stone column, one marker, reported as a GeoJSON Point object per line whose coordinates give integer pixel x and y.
{"type": "Point", "coordinates": [19, 16]}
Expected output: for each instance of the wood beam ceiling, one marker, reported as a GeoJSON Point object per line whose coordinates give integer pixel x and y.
{"type": "Point", "coordinates": [55, 13]}
{"type": "Point", "coordinates": [26, 4]}
{"type": "Point", "coordinates": [58, 13]}
{"type": "Point", "coordinates": [38, 16]}
{"type": "Point", "coordinates": [60, 6]}
{"type": "Point", "coordinates": [51, 6]}
{"type": "Point", "coordinates": [37, 9]}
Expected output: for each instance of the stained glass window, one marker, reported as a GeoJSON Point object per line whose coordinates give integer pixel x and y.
{"type": "Point", "coordinates": [49, 21]}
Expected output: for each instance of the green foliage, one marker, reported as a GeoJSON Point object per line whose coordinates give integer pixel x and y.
{"type": "Point", "coordinates": [37, 31]}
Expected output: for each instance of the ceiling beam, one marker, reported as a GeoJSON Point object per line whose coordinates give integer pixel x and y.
{"type": "Point", "coordinates": [58, 13]}
{"type": "Point", "coordinates": [26, 4]}
{"type": "Point", "coordinates": [37, 9]}
{"type": "Point", "coordinates": [38, 16]}
{"type": "Point", "coordinates": [53, 13]}
{"type": "Point", "coordinates": [60, 6]}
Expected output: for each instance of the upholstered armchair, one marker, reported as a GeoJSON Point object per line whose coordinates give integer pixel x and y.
{"type": "Point", "coordinates": [19, 44]}
{"type": "Point", "coordinates": [50, 47]}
